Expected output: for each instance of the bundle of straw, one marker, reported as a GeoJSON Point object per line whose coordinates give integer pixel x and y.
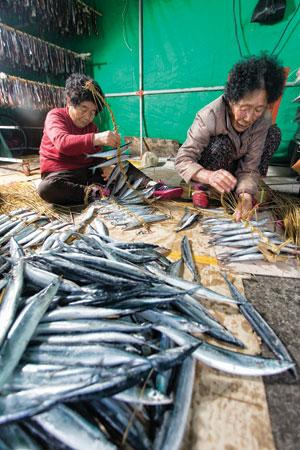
{"type": "Point", "coordinates": [24, 195]}
{"type": "Point", "coordinates": [286, 207]}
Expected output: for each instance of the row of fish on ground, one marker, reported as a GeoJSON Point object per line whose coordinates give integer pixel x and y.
{"type": "Point", "coordinates": [243, 241]}
{"type": "Point", "coordinates": [98, 339]}
{"type": "Point", "coordinates": [239, 241]}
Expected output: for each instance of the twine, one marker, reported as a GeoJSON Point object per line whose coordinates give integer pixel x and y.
{"type": "Point", "coordinates": [89, 85]}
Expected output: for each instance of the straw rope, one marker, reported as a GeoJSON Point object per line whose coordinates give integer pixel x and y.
{"type": "Point", "coordinates": [98, 97]}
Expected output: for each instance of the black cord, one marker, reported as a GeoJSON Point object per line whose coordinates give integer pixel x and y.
{"type": "Point", "coordinates": [284, 31]}
{"type": "Point", "coordinates": [145, 125]}
{"type": "Point", "coordinates": [236, 29]}
{"type": "Point", "coordinates": [242, 28]}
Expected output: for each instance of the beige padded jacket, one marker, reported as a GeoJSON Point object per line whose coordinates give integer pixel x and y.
{"type": "Point", "coordinates": [214, 120]}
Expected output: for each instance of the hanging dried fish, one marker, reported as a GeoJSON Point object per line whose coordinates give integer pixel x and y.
{"type": "Point", "coordinates": [18, 92]}
{"type": "Point", "coordinates": [18, 49]}
{"type": "Point", "coordinates": [69, 17]}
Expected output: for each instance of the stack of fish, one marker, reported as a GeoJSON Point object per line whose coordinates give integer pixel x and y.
{"type": "Point", "coordinates": [129, 203]}
{"type": "Point", "coordinates": [96, 342]}
{"type": "Point", "coordinates": [243, 239]}
{"type": "Point", "coordinates": [30, 229]}
{"type": "Point", "coordinates": [129, 216]}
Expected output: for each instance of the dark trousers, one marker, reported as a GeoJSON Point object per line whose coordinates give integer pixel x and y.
{"type": "Point", "coordinates": [69, 187]}
{"type": "Point", "coordinates": [219, 154]}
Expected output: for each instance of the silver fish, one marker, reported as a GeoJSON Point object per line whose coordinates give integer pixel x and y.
{"type": "Point", "coordinates": [22, 330]}
{"type": "Point", "coordinates": [70, 428]}
{"type": "Point", "coordinates": [199, 291]}
{"type": "Point", "coordinates": [261, 327]}
{"type": "Point", "coordinates": [226, 360]}
{"type": "Point", "coordinates": [187, 220]}
{"type": "Point", "coordinates": [109, 162]}
{"type": "Point", "coordinates": [9, 303]}
{"type": "Point", "coordinates": [172, 430]}
{"type": "Point", "coordinates": [108, 153]}
{"type": "Point", "coordinates": [187, 255]}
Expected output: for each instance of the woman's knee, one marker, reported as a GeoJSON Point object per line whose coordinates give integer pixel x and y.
{"type": "Point", "coordinates": [273, 138]}
{"type": "Point", "coordinates": [272, 142]}
{"type": "Point", "coordinates": [50, 191]}
{"type": "Point", "coordinates": [220, 144]}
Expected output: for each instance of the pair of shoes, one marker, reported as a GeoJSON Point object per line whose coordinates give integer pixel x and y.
{"type": "Point", "coordinates": [200, 195]}
{"type": "Point", "coordinates": [165, 192]}
{"type": "Point", "coordinates": [200, 199]}
{"type": "Point", "coordinates": [96, 191]}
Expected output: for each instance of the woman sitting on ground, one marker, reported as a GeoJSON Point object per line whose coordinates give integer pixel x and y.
{"type": "Point", "coordinates": [70, 134]}
{"type": "Point", "coordinates": [232, 140]}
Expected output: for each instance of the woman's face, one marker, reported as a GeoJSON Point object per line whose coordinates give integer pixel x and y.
{"type": "Point", "coordinates": [82, 114]}
{"type": "Point", "coordinates": [247, 110]}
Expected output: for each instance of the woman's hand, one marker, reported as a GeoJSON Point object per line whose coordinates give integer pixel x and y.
{"type": "Point", "coordinates": [221, 179]}
{"type": "Point", "coordinates": [244, 209]}
{"type": "Point", "coordinates": [107, 138]}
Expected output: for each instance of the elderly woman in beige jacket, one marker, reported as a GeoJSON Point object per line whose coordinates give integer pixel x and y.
{"type": "Point", "coordinates": [232, 140]}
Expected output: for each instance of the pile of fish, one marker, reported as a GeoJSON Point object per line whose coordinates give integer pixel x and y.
{"type": "Point", "coordinates": [129, 216]}
{"type": "Point", "coordinates": [242, 240]}
{"type": "Point", "coordinates": [129, 203]}
{"type": "Point", "coordinates": [98, 341]}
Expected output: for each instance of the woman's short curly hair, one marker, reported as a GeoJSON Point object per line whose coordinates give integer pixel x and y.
{"type": "Point", "coordinates": [255, 72]}
{"type": "Point", "coordinates": [77, 93]}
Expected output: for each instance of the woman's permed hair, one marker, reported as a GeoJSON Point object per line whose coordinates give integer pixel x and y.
{"type": "Point", "coordinates": [77, 93]}
{"type": "Point", "coordinates": [255, 72]}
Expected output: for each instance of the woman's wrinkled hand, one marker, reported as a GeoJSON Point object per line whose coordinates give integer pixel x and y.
{"type": "Point", "coordinates": [222, 180]}
{"type": "Point", "coordinates": [107, 138]}
{"type": "Point", "coordinates": [244, 209]}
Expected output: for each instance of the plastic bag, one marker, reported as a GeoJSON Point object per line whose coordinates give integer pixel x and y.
{"type": "Point", "coordinates": [269, 11]}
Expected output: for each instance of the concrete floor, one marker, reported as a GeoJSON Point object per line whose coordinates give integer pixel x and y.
{"type": "Point", "coordinates": [278, 301]}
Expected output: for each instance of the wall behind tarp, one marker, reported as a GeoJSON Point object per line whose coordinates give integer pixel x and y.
{"type": "Point", "coordinates": [187, 43]}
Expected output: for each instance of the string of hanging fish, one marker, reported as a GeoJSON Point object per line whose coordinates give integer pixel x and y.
{"type": "Point", "coordinates": [22, 50]}
{"type": "Point", "coordinates": [68, 17]}
{"type": "Point", "coordinates": [19, 92]}
{"type": "Point", "coordinates": [129, 196]}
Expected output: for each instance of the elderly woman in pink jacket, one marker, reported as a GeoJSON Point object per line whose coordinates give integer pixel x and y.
{"type": "Point", "coordinates": [232, 139]}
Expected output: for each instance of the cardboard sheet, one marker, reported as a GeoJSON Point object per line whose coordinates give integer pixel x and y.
{"type": "Point", "coordinates": [228, 412]}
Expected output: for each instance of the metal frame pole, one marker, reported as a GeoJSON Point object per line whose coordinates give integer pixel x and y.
{"type": "Point", "coordinates": [141, 74]}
